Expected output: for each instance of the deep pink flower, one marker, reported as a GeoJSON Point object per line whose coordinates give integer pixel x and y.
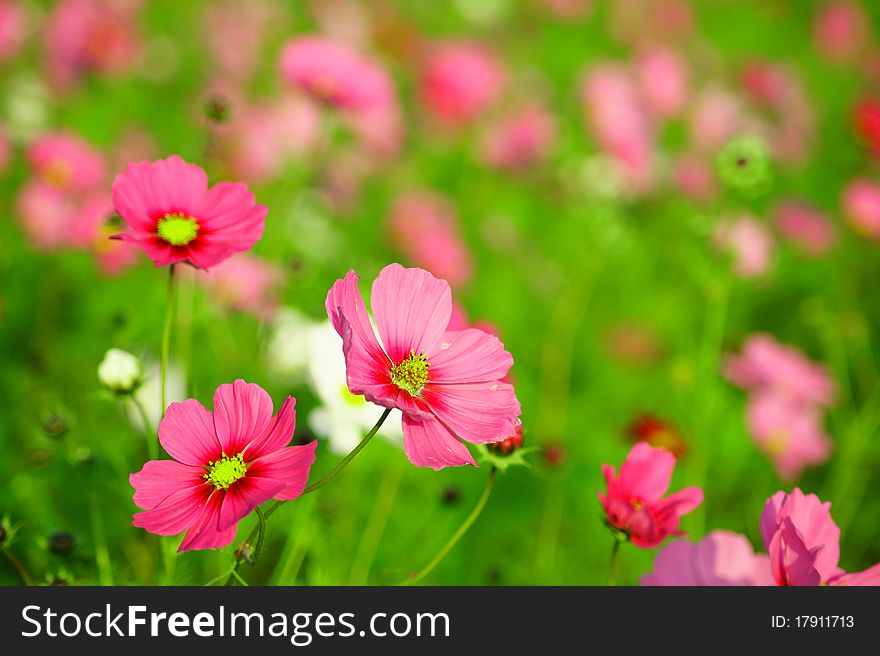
{"type": "Point", "coordinates": [66, 161]}
{"type": "Point", "coordinates": [749, 242]}
{"type": "Point", "coordinates": [335, 73]}
{"type": "Point", "coordinates": [767, 365]}
{"type": "Point", "coordinates": [447, 384]}
{"type": "Point", "coordinates": [842, 30]}
{"type": "Point", "coordinates": [460, 79]}
{"type": "Point", "coordinates": [663, 75]}
{"type": "Point", "coordinates": [722, 558]}
{"type": "Point", "coordinates": [13, 27]}
{"type": "Point", "coordinates": [174, 217]}
{"type": "Point", "coordinates": [861, 203]}
{"type": "Point", "coordinates": [788, 431]}
{"type": "Point", "coordinates": [634, 502]}
{"type": "Point", "coordinates": [801, 538]}
{"type": "Point", "coordinates": [226, 463]}
{"type": "Point", "coordinates": [244, 282]}
{"type": "Point", "coordinates": [520, 139]}
{"type": "Point", "coordinates": [806, 226]}
{"type": "Point", "coordinates": [424, 226]}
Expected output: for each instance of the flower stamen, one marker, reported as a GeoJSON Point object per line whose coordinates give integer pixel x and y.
{"type": "Point", "coordinates": [178, 229]}
{"type": "Point", "coordinates": [412, 373]}
{"type": "Point", "coordinates": [225, 472]}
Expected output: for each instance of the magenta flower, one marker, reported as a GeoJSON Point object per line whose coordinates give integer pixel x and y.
{"type": "Point", "coordinates": [663, 78]}
{"type": "Point", "coordinates": [226, 463]}
{"type": "Point", "coordinates": [722, 558]}
{"type": "Point", "coordinates": [174, 217]}
{"type": "Point", "coordinates": [634, 502]}
{"type": "Point", "coordinates": [806, 226]}
{"type": "Point", "coordinates": [447, 383]}
{"type": "Point", "coordinates": [65, 161]}
{"type": "Point", "coordinates": [861, 203]}
{"type": "Point", "coordinates": [520, 139]}
{"type": "Point", "coordinates": [13, 27]}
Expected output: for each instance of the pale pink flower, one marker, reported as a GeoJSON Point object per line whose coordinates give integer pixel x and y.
{"type": "Point", "coordinates": [842, 30]}
{"type": "Point", "coordinates": [520, 139]}
{"type": "Point", "coordinates": [447, 384]}
{"type": "Point", "coordinates": [226, 463]}
{"type": "Point", "coordinates": [460, 80]}
{"type": "Point", "coordinates": [618, 121]}
{"type": "Point", "coordinates": [788, 431]}
{"type": "Point", "coordinates": [749, 242]}
{"type": "Point", "coordinates": [802, 540]}
{"type": "Point", "coordinates": [174, 217]}
{"type": "Point", "coordinates": [66, 161]}
{"type": "Point", "coordinates": [13, 27]}
{"type": "Point", "coordinates": [335, 74]}
{"type": "Point", "coordinates": [767, 365]}
{"type": "Point", "coordinates": [861, 203]}
{"type": "Point", "coordinates": [717, 116]}
{"type": "Point", "coordinates": [663, 78]}
{"type": "Point", "coordinates": [424, 226]}
{"type": "Point", "coordinates": [722, 558]}
{"type": "Point", "coordinates": [806, 226]}
{"type": "Point", "coordinates": [634, 502]}
{"type": "Point", "coordinates": [244, 282]}
{"type": "Point", "coordinates": [90, 229]}
{"type": "Point", "coordinates": [46, 215]}
{"type": "Point", "coordinates": [236, 30]}
{"type": "Point", "coordinates": [694, 176]}
{"type": "Point", "coordinates": [90, 36]}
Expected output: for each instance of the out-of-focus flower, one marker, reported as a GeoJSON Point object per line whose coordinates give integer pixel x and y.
{"type": "Point", "coordinates": [91, 228]}
{"type": "Point", "coordinates": [767, 365]}
{"type": "Point", "coordinates": [90, 36]}
{"type": "Point", "coordinates": [644, 22]}
{"type": "Point", "coordinates": [658, 433]}
{"type": "Point", "coordinates": [866, 119]}
{"type": "Point", "coordinates": [244, 282]}
{"type": "Point", "coordinates": [46, 215]}
{"type": "Point", "coordinates": [287, 351]}
{"type": "Point", "coordinates": [424, 227]}
{"type": "Point", "coordinates": [174, 217]}
{"type": "Point", "coordinates": [460, 80]}
{"type": "Point", "coordinates": [717, 116]}
{"type": "Point", "coordinates": [226, 463]}
{"type": "Point", "coordinates": [861, 203]}
{"type": "Point", "coordinates": [694, 176]}
{"type": "Point", "coordinates": [663, 79]}
{"type": "Point", "coordinates": [634, 501]}
{"type": "Point", "coordinates": [519, 139]}
{"type": "Point", "coordinates": [335, 74]}
{"type": "Point", "coordinates": [120, 371]}
{"type": "Point", "coordinates": [722, 558]}
{"type": "Point", "coordinates": [347, 21]}
{"type": "Point", "coordinates": [13, 27]}
{"type": "Point", "coordinates": [617, 119]}
{"type": "Point", "coordinates": [788, 432]}
{"type": "Point", "coordinates": [447, 384]}
{"type": "Point", "coordinates": [342, 417]}
{"type": "Point", "coordinates": [750, 243]}
{"type": "Point", "coordinates": [744, 165]}
{"type": "Point", "coordinates": [842, 30]}
{"type": "Point", "coordinates": [509, 444]}
{"type": "Point", "coordinates": [806, 226]}
{"type": "Point", "coordinates": [149, 393]}
{"type": "Point", "coordinates": [66, 161]}
{"type": "Point", "coordinates": [235, 30]}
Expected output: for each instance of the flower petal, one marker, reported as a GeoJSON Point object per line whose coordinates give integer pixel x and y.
{"type": "Point", "coordinates": [277, 435]}
{"type": "Point", "coordinates": [187, 433]}
{"type": "Point", "coordinates": [204, 533]}
{"type": "Point", "coordinates": [242, 412]}
{"type": "Point", "coordinates": [646, 473]}
{"type": "Point", "coordinates": [243, 497]}
{"type": "Point", "coordinates": [469, 356]}
{"type": "Point", "coordinates": [289, 465]}
{"type": "Point", "coordinates": [412, 309]}
{"type": "Point", "coordinates": [477, 412]}
{"type": "Point", "coordinates": [175, 514]}
{"type": "Point", "coordinates": [159, 479]}
{"type": "Point", "coordinates": [428, 443]}
{"type": "Point", "coordinates": [229, 215]}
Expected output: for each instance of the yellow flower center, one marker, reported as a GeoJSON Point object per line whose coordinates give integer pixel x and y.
{"type": "Point", "coordinates": [226, 471]}
{"type": "Point", "coordinates": [178, 229]}
{"type": "Point", "coordinates": [412, 373]}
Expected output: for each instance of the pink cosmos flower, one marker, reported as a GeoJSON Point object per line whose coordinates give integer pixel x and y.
{"type": "Point", "coordinates": [767, 365]}
{"type": "Point", "coordinates": [46, 215]}
{"type": "Point", "coordinates": [662, 75]}
{"type": "Point", "coordinates": [806, 226]}
{"type": "Point", "coordinates": [66, 161]}
{"type": "Point", "coordinates": [335, 73]}
{"type": "Point", "coordinates": [634, 502]}
{"type": "Point", "coordinates": [90, 227]}
{"type": "Point", "coordinates": [447, 383]}
{"type": "Point", "coordinates": [520, 139]}
{"type": "Point", "coordinates": [174, 217]}
{"type": "Point", "coordinates": [694, 176]}
{"type": "Point", "coordinates": [861, 202]}
{"type": "Point", "coordinates": [244, 282]}
{"type": "Point", "coordinates": [717, 115]}
{"type": "Point", "coordinates": [236, 30]}
{"type": "Point", "coordinates": [226, 463]}
{"type": "Point", "coordinates": [13, 27]}
{"type": "Point", "coordinates": [750, 243]}
{"type": "Point", "coordinates": [842, 30]}
{"type": "Point", "coordinates": [460, 79]}
{"type": "Point", "coordinates": [424, 226]}
{"type": "Point", "coordinates": [90, 36]}
{"type": "Point", "coordinates": [722, 558]}
{"type": "Point", "coordinates": [801, 538]}
{"type": "Point", "coordinates": [788, 431]}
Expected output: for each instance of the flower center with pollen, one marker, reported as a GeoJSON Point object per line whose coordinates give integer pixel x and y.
{"type": "Point", "coordinates": [412, 373]}
{"type": "Point", "coordinates": [226, 471]}
{"type": "Point", "coordinates": [178, 229]}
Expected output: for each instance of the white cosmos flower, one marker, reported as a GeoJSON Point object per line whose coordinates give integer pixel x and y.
{"type": "Point", "coordinates": [288, 347]}
{"type": "Point", "coordinates": [120, 371]}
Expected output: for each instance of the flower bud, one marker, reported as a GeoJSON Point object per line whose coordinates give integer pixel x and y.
{"type": "Point", "coordinates": [120, 371]}
{"type": "Point", "coordinates": [744, 165]}
{"type": "Point", "coordinates": [510, 444]}
{"type": "Point", "coordinates": [61, 543]}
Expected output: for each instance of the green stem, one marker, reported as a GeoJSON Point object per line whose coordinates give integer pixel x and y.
{"type": "Point", "coordinates": [612, 568]}
{"type": "Point", "coordinates": [19, 567]}
{"type": "Point", "coordinates": [372, 535]}
{"type": "Point", "coordinates": [475, 513]}
{"type": "Point", "coordinates": [102, 553]}
{"type": "Point", "coordinates": [261, 535]}
{"type": "Point", "coordinates": [166, 333]}
{"type": "Point", "coordinates": [263, 516]}
{"type": "Point", "coordinates": [149, 435]}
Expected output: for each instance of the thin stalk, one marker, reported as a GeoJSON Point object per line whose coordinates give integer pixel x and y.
{"type": "Point", "coordinates": [166, 333]}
